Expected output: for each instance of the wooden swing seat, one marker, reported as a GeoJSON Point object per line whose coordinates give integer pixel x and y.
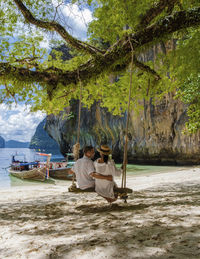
{"type": "Point", "coordinates": [117, 190]}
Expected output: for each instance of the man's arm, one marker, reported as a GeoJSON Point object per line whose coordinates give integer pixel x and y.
{"type": "Point", "coordinates": [71, 172]}
{"type": "Point", "coordinates": [100, 176]}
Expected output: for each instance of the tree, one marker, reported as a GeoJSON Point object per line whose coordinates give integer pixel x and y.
{"type": "Point", "coordinates": [28, 73]}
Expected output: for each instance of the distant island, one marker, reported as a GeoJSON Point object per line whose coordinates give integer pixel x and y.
{"type": "Point", "coordinates": [2, 142]}
{"type": "Point", "coordinates": [40, 140]}
{"type": "Point", "coordinates": [16, 144]}
{"type": "Point", "coordinates": [13, 143]}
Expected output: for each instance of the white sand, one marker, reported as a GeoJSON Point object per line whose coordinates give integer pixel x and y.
{"type": "Point", "coordinates": [161, 220]}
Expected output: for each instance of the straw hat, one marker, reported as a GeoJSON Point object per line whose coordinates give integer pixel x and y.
{"type": "Point", "coordinates": [104, 149]}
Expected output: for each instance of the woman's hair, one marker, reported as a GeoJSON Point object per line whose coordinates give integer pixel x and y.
{"type": "Point", "coordinates": [105, 158]}
{"type": "Point", "coordinates": [87, 148]}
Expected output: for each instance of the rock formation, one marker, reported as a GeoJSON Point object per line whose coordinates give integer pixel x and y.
{"type": "Point", "coordinates": [42, 140]}
{"type": "Point", "coordinates": [155, 135]}
{"type": "Point", "coordinates": [2, 142]}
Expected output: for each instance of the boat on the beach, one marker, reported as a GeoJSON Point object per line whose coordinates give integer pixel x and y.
{"type": "Point", "coordinates": [29, 170]}
{"type": "Point", "coordinates": [60, 173]}
{"type": "Point", "coordinates": [61, 170]}
{"type": "Point", "coordinates": [38, 170]}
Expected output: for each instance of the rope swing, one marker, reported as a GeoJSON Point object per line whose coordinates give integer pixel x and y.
{"type": "Point", "coordinates": [125, 160]}
{"type": "Point", "coordinates": [76, 147]}
{"type": "Point", "coordinates": [123, 191]}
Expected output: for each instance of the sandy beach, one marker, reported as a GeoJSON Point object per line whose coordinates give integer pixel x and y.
{"type": "Point", "coordinates": [161, 220]}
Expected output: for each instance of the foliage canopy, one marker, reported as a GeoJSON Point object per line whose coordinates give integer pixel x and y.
{"type": "Point", "coordinates": [30, 73]}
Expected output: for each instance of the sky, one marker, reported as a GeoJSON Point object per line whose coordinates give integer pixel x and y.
{"type": "Point", "coordinates": [74, 19]}
{"type": "Point", "coordinates": [18, 123]}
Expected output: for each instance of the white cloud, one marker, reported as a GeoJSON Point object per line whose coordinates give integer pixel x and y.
{"type": "Point", "coordinates": [44, 44]}
{"type": "Point", "coordinates": [76, 19]}
{"type": "Point", "coordinates": [18, 123]}
{"type": "Point", "coordinates": [73, 18]}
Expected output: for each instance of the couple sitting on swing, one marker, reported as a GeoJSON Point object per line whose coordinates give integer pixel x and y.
{"type": "Point", "coordinates": [97, 175]}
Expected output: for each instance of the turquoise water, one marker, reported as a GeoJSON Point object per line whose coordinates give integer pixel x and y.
{"type": "Point", "coordinates": [150, 169]}
{"type": "Point", "coordinates": [5, 159]}
{"type": "Point", "coordinates": [7, 181]}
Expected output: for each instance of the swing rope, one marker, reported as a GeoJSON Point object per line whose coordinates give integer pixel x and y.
{"type": "Point", "coordinates": [123, 191]}
{"type": "Point", "coordinates": [76, 147]}
{"type": "Point", "coordinates": [125, 160]}
{"type": "Point", "coordinates": [79, 110]}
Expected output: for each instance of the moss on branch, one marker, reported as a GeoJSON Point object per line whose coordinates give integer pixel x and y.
{"type": "Point", "coordinates": [115, 54]}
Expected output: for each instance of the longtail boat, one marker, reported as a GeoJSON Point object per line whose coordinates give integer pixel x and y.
{"type": "Point", "coordinates": [29, 171]}
{"type": "Point", "coordinates": [60, 170]}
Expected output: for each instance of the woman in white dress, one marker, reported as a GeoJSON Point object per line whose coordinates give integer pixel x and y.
{"type": "Point", "coordinates": [106, 166]}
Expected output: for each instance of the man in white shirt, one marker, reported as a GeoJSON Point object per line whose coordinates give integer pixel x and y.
{"type": "Point", "coordinates": [85, 171]}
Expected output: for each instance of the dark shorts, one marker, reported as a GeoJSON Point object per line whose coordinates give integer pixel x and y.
{"type": "Point", "coordinates": [91, 189]}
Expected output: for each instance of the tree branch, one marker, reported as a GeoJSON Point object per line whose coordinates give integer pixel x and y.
{"type": "Point", "coordinates": [166, 26]}
{"type": "Point", "coordinates": [119, 51]}
{"type": "Point", "coordinates": [155, 11]}
{"type": "Point", "coordinates": [145, 68]}
{"type": "Point", "coordinates": [27, 75]}
{"type": "Point", "coordinates": [53, 26]}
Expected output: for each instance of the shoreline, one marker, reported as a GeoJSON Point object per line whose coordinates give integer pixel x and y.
{"type": "Point", "coordinates": [161, 220]}
{"type": "Point", "coordinates": [133, 170]}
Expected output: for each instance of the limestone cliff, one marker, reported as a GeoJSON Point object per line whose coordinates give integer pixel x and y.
{"type": "Point", "coordinates": [155, 135]}
{"type": "Point", "coordinates": [41, 140]}
{"type": "Point", "coordinates": [2, 142]}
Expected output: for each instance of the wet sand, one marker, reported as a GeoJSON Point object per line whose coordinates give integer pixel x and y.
{"type": "Point", "coordinates": [161, 220]}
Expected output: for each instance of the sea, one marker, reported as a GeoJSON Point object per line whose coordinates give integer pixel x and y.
{"type": "Point", "coordinates": [8, 181]}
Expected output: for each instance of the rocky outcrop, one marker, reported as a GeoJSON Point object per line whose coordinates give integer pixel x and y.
{"type": "Point", "coordinates": [158, 137]}
{"type": "Point", "coordinates": [42, 140]}
{"type": "Point", "coordinates": [155, 135]}
{"type": "Point", "coordinates": [97, 126]}
{"type": "Point", "coordinates": [2, 142]}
